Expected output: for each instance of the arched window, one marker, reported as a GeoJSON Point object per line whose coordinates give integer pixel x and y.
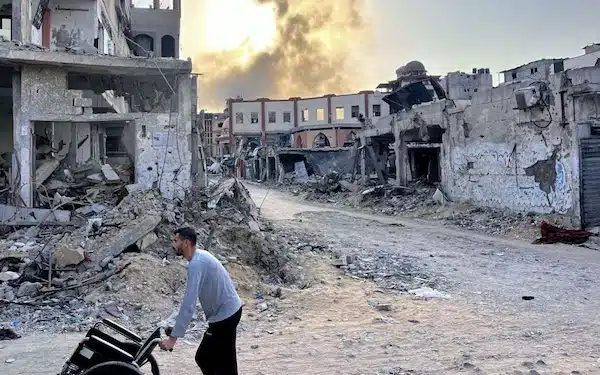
{"type": "Point", "coordinates": [167, 46]}
{"type": "Point", "coordinates": [320, 141]}
{"type": "Point", "coordinates": [298, 141]}
{"type": "Point", "coordinates": [145, 44]}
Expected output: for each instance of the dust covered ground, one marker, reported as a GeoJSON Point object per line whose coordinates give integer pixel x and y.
{"type": "Point", "coordinates": [366, 316]}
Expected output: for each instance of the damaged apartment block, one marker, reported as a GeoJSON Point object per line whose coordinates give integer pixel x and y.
{"type": "Point", "coordinates": [530, 144]}
{"type": "Point", "coordinates": [83, 117]}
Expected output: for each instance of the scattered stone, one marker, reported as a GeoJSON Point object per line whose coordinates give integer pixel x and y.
{"type": "Point", "coordinates": [254, 346]}
{"type": "Point", "coordinates": [383, 307]}
{"type": "Point", "coordinates": [429, 293]}
{"type": "Point", "coordinates": [67, 255]}
{"type": "Point", "coordinates": [340, 262]}
{"type": "Point", "coordinates": [10, 360]}
{"type": "Point", "coordinates": [527, 298]}
{"type": "Point", "coordinates": [29, 289]}
{"type": "Point", "coordinates": [8, 276]}
{"type": "Point", "coordinates": [540, 363]}
{"type": "Point", "coordinates": [148, 240]}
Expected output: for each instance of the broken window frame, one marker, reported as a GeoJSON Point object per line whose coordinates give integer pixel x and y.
{"type": "Point", "coordinates": [254, 117]}
{"type": "Point", "coordinates": [305, 115]}
{"type": "Point", "coordinates": [287, 117]}
{"type": "Point", "coordinates": [239, 117]}
{"type": "Point", "coordinates": [272, 117]}
{"type": "Point", "coordinates": [355, 111]}
{"type": "Point", "coordinates": [340, 113]}
{"type": "Point", "coordinates": [320, 114]}
{"type": "Point", "coordinates": [376, 110]}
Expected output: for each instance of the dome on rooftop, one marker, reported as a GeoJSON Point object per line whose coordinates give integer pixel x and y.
{"type": "Point", "coordinates": [414, 67]}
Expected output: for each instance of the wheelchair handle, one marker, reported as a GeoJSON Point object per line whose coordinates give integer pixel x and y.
{"type": "Point", "coordinates": [168, 331]}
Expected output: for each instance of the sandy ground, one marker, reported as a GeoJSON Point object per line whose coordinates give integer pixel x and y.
{"type": "Point", "coordinates": [485, 327]}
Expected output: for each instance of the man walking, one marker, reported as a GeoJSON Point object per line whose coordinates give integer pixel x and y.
{"type": "Point", "coordinates": [209, 283]}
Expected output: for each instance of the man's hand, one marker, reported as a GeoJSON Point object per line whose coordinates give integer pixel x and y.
{"type": "Point", "coordinates": [168, 343]}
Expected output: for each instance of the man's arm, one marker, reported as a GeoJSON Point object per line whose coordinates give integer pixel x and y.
{"type": "Point", "coordinates": [190, 299]}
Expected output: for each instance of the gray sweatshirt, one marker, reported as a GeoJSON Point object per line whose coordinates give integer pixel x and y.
{"type": "Point", "coordinates": [209, 283]}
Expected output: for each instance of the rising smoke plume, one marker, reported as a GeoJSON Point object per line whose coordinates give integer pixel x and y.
{"type": "Point", "coordinates": [315, 39]}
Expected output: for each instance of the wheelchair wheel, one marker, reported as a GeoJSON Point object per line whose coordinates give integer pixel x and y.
{"type": "Point", "coordinates": [110, 368]}
{"type": "Point", "coordinates": [132, 348]}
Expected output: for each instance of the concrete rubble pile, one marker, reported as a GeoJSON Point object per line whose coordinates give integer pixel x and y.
{"type": "Point", "coordinates": [418, 199]}
{"type": "Point", "coordinates": [119, 264]}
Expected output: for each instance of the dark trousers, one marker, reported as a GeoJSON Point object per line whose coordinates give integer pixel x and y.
{"type": "Point", "coordinates": [216, 354]}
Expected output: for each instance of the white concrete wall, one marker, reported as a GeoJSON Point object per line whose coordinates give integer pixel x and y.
{"type": "Point", "coordinates": [582, 61]}
{"type": "Point", "coordinates": [153, 149]}
{"type": "Point", "coordinates": [489, 146]}
{"type": "Point", "coordinates": [311, 106]}
{"type": "Point", "coordinates": [280, 107]}
{"type": "Point", "coordinates": [246, 109]}
{"type": "Point", "coordinates": [462, 86]}
{"type": "Point", "coordinates": [377, 99]}
{"type": "Point", "coordinates": [346, 102]}
{"type": "Point", "coordinates": [525, 72]}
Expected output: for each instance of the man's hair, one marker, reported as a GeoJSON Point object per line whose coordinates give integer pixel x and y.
{"type": "Point", "coordinates": [187, 234]}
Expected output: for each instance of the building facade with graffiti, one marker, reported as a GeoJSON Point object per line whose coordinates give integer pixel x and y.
{"type": "Point", "coordinates": [526, 145]}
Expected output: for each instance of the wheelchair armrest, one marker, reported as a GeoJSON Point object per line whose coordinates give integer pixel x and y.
{"type": "Point", "coordinates": [122, 330]}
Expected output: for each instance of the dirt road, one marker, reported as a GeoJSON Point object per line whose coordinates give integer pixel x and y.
{"type": "Point", "coordinates": [334, 327]}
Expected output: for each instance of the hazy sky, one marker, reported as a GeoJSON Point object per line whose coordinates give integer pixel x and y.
{"type": "Point", "coordinates": [449, 35]}
{"type": "Point", "coordinates": [446, 35]}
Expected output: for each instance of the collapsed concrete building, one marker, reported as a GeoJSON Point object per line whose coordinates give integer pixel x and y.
{"type": "Point", "coordinates": [77, 104]}
{"type": "Point", "coordinates": [528, 145]}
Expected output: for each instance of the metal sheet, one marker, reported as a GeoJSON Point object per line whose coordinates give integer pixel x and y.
{"type": "Point", "coordinates": [590, 182]}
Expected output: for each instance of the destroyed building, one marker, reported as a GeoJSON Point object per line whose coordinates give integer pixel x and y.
{"type": "Point", "coordinates": [460, 85]}
{"type": "Point", "coordinates": [81, 113]}
{"type": "Point", "coordinates": [212, 125]}
{"type": "Point", "coordinates": [156, 29]}
{"type": "Point", "coordinates": [528, 145]}
{"type": "Point", "coordinates": [539, 69]}
{"type": "Point", "coordinates": [281, 132]}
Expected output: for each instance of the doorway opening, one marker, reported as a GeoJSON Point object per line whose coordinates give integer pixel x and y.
{"type": "Point", "coordinates": [425, 164]}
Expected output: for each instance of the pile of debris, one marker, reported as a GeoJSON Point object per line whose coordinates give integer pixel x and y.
{"type": "Point", "coordinates": [418, 199]}
{"type": "Point", "coordinates": [120, 264]}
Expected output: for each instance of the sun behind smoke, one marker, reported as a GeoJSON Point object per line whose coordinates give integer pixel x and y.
{"type": "Point", "coordinates": [275, 48]}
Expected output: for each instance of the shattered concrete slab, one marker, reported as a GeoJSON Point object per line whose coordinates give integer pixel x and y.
{"type": "Point", "coordinates": [34, 215]}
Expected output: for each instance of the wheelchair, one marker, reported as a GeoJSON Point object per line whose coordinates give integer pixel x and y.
{"type": "Point", "coordinates": [102, 353]}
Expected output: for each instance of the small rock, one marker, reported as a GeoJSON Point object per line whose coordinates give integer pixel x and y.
{"type": "Point", "coordinates": [8, 276]}
{"type": "Point", "coordinates": [66, 255]}
{"type": "Point", "coordinates": [263, 306]}
{"type": "Point", "coordinates": [10, 360]}
{"type": "Point", "coordinates": [148, 240]}
{"type": "Point", "coordinates": [340, 262]}
{"type": "Point", "coordinates": [534, 372]}
{"type": "Point", "coordinates": [276, 292]}
{"type": "Point", "coordinates": [28, 289]}
{"type": "Point", "coordinates": [9, 295]}
{"type": "Point", "coordinates": [106, 261]}
{"type": "Point", "coordinates": [540, 363]}
{"type": "Point", "coordinates": [254, 346]}
{"type": "Point", "coordinates": [383, 307]}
